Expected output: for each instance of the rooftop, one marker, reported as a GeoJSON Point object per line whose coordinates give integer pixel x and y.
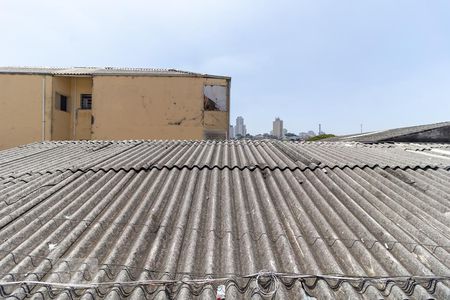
{"type": "Point", "coordinates": [438, 132]}
{"type": "Point", "coordinates": [250, 219]}
{"type": "Point", "coordinates": [103, 71]}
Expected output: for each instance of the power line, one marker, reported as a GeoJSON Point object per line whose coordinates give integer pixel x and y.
{"type": "Point", "coordinates": [265, 283]}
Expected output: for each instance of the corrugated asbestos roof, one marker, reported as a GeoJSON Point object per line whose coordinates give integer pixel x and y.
{"type": "Point", "coordinates": [159, 219]}
{"type": "Point", "coordinates": [251, 155]}
{"type": "Point", "coordinates": [104, 71]}
{"type": "Point", "coordinates": [389, 135]}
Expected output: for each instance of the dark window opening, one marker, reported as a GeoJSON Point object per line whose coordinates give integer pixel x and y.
{"type": "Point", "coordinates": [62, 102]}
{"type": "Point", "coordinates": [86, 101]}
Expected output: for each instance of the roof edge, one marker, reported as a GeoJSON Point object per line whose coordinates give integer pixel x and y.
{"type": "Point", "coordinates": [105, 71]}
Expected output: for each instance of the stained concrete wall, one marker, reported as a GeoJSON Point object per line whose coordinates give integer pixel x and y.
{"type": "Point", "coordinates": [127, 107]}
{"type": "Point", "coordinates": [61, 120]}
{"type": "Point", "coordinates": [124, 107]}
{"type": "Point", "coordinates": [81, 118]}
{"type": "Point", "coordinates": [21, 104]}
{"type": "Point", "coordinates": [75, 124]}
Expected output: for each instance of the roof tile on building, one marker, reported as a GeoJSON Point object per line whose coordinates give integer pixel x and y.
{"type": "Point", "coordinates": [112, 219]}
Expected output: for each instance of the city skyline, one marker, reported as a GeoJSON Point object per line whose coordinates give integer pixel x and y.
{"type": "Point", "coordinates": [240, 129]}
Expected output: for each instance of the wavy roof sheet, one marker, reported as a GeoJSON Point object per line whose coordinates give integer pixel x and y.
{"type": "Point", "coordinates": [328, 220]}
{"type": "Point", "coordinates": [138, 155]}
{"type": "Point", "coordinates": [396, 134]}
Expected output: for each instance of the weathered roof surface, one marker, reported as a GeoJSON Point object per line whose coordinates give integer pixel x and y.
{"type": "Point", "coordinates": [102, 71]}
{"type": "Point", "coordinates": [135, 211]}
{"type": "Point", "coordinates": [398, 134]}
{"type": "Point", "coordinates": [138, 155]}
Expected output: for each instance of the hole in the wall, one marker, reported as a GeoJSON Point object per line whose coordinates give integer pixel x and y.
{"type": "Point", "coordinates": [215, 98]}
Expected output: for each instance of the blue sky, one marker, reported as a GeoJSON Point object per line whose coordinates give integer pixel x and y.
{"type": "Point", "coordinates": [339, 63]}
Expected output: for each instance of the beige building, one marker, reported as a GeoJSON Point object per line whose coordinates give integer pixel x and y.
{"type": "Point", "coordinates": [39, 104]}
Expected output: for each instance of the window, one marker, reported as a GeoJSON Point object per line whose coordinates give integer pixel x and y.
{"type": "Point", "coordinates": [86, 101]}
{"type": "Point", "coordinates": [62, 102]}
{"type": "Point", "coordinates": [215, 97]}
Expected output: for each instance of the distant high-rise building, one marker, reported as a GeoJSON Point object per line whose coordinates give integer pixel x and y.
{"type": "Point", "coordinates": [320, 130]}
{"type": "Point", "coordinates": [278, 128]}
{"type": "Point", "coordinates": [231, 132]}
{"type": "Point", "coordinates": [240, 128]}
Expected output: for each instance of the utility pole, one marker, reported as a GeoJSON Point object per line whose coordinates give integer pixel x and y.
{"type": "Point", "coordinates": [361, 127]}
{"type": "Point", "coordinates": [320, 129]}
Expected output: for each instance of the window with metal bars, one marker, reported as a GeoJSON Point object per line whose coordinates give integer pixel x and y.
{"type": "Point", "coordinates": [86, 101]}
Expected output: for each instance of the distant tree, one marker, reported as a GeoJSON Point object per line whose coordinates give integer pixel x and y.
{"type": "Point", "coordinates": [320, 137]}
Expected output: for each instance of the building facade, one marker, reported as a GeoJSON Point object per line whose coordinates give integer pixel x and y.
{"type": "Point", "coordinates": [39, 104]}
{"type": "Point", "coordinates": [277, 130]}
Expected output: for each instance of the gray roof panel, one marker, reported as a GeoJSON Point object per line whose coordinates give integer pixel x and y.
{"type": "Point", "coordinates": [176, 221]}
{"type": "Point", "coordinates": [137, 155]}
{"type": "Point", "coordinates": [390, 135]}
